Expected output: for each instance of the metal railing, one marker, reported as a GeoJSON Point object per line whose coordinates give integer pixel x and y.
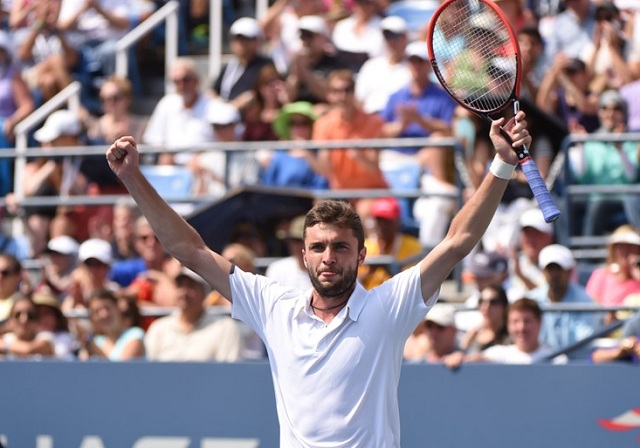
{"type": "Point", "coordinates": [70, 96]}
{"type": "Point", "coordinates": [24, 153]}
{"type": "Point", "coordinates": [167, 13]}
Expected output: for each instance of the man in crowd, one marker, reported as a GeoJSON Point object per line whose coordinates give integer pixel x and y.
{"type": "Point", "coordinates": [191, 334]}
{"type": "Point", "coordinates": [562, 328]}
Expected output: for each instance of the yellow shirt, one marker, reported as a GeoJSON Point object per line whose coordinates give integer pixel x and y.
{"type": "Point", "coordinates": [406, 246]}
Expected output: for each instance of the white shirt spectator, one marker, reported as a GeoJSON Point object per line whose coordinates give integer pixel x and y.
{"type": "Point", "coordinates": [174, 126]}
{"type": "Point", "coordinates": [378, 79]}
{"type": "Point", "coordinates": [510, 354]}
{"type": "Point", "coordinates": [370, 41]}
{"type": "Point", "coordinates": [287, 272]}
{"type": "Point", "coordinates": [215, 338]}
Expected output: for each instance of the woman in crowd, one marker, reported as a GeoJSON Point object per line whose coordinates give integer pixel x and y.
{"type": "Point", "coordinates": [92, 274]}
{"type": "Point", "coordinates": [117, 120]}
{"type": "Point", "coordinates": [612, 283]}
{"type": "Point", "coordinates": [493, 305]}
{"type": "Point", "coordinates": [24, 340]}
{"type": "Point", "coordinates": [111, 338]}
{"type": "Point", "coordinates": [293, 167]}
{"type": "Point", "coordinates": [269, 96]}
{"type": "Point", "coordinates": [52, 320]}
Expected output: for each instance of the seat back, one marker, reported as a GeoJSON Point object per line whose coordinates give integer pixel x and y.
{"type": "Point", "coordinates": [404, 177]}
{"type": "Point", "coordinates": [171, 182]}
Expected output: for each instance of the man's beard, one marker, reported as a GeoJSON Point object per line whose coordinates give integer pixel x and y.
{"type": "Point", "coordinates": [337, 289]}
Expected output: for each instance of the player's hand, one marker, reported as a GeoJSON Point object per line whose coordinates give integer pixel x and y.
{"type": "Point", "coordinates": [123, 156]}
{"type": "Point", "coordinates": [517, 130]}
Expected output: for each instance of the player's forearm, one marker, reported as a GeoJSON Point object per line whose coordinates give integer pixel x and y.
{"type": "Point", "coordinates": [472, 221]}
{"type": "Point", "coordinates": [177, 236]}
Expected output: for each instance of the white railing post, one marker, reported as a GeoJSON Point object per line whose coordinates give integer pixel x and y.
{"type": "Point", "coordinates": [171, 48]}
{"type": "Point", "coordinates": [261, 8]}
{"type": "Point", "coordinates": [122, 62]}
{"type": "Point", "coordinates": [168, 14]}
{"type": "Point", "coordinates": [215, 39]}
{"type": "Point", "coordinates": [70, 96]}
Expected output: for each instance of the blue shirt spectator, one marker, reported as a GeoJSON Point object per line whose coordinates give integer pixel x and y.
{"type": "Point", "coordinates": [432, 102]}
{"type": "Point", "coordinates": [562, 328]}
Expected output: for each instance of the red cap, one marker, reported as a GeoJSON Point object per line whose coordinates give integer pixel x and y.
{"type": "Point", "coordinates": [387, 208]}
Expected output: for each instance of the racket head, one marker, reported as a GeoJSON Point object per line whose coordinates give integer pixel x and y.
{"type": "Point", "coordinates": [475, 55]}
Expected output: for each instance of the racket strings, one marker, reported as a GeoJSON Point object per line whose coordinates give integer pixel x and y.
{"type": "Point", "coordinates": [475, 55]}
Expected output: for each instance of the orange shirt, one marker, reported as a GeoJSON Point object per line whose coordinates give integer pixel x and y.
{"type": "Point", "coordinates": [347, 172]}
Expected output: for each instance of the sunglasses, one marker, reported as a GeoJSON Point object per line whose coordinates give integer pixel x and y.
{"type": "Point", "coordinates": [93, 263]}
{"type": "Point", "coordinates": [490, 302]}
{"type": "Point", "coordinates": [146, 238]}
{"type": "Point", "coordinates": [305, 35]}
{"type": "Point", "coordinates": [389, 35]}
{"type": "Point", "coordinates": [341, 89]}
{"type": "Point", "coordinates": [433, 326]}
{"type": "Point", "coordinates": [417, 60]}
{"type": "Point", "coordinates": [240, 37]}
{"type": "Point", "coordinates": [111, 98]}
{"type": "Point", "coordinates": [30, 315]}
{"type": "Point", "coordinates": [295, 122]}
{"type": "Point", "coordinates": [7, 272]}
{"type": "Point", "coordinates": [182, 80]}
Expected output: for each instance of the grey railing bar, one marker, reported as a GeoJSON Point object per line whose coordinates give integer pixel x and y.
{"type": "Point", "coordinates": [583, 342]}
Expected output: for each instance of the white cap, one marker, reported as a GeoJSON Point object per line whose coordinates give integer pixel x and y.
{"type": "Point", "coordinates": [246, 26]}
{"type": "Point", "coordinates": [188, 273]}
{"type": "Point", "coordinates": [417, 49]}
{"type": "Point", "coordinates": [395, 24]}
{"type": "Point", "coordinates": [219, 112]}
{"type": "Point", "coordinates": [63, 245]}
{"type": "Point", "coordinates": [95, 248]}
{"type": "Point", "coordinates": [313, 24]}
{"type": "Point", "coordinates": [556, 254]}
{"type": "Point", "coordinates": [535, 219]}
{"type": "Point", "coordinates": [484, 20]}
{"type": "Point", "coordinates": [59, 123]}
{"type": "Point", "coordinates": [442, 314]}
{"type": "Point", "coordinates": [625, 237]}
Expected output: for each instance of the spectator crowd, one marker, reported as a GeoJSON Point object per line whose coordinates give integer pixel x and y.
{"type": "Point", "coordinates": [83, 282]}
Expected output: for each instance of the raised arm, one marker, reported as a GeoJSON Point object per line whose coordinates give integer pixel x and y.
{"type": "Point", "coordinates": [177, 236]}
{"type": "Point", "coordinates": [472, 220]}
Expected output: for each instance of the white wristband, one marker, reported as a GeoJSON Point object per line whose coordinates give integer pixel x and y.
{"type": "Point", "coordinates": [501, 169]}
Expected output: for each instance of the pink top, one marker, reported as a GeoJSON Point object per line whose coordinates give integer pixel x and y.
{"type": "Point", "coordinates": [607, 290]}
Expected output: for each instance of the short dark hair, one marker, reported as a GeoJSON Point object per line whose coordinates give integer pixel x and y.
{"type": "Point", "coordinates": [338, 213]}
{"type": "Point", "coordinates": [532, 32]}
{"type": "Point", "coordinates": [103, 294]}
{"type": "Point", "coordinates": [342, 74]}
{"type": "Point", "coordinates": [16, 266]}
{"type": "Point", "coordinates": [527, 304]}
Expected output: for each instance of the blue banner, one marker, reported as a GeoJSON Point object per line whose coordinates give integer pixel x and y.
{"type": "Point", "coordinates": [205, 405]}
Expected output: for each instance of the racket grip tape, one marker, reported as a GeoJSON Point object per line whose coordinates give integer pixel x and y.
{"type": "Point", "coordinates": [539, 189]}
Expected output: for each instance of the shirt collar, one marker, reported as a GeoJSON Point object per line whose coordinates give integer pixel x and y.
{"type": "Point", "coordinates": [354, 306]}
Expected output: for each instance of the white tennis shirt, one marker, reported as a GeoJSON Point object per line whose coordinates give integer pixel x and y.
{"type": "Point", "coordinates": [336, 384]}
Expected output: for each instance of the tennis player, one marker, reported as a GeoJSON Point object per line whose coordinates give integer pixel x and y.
{"type": "Point", "coordinates": [336, 350]}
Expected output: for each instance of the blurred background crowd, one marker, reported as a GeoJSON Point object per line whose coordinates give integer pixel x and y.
{"type": "Point", "coordinates": [81, 282]}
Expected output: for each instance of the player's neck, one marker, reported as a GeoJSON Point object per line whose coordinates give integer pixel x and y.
{"type": "Point", "coordinates": [326, 308]}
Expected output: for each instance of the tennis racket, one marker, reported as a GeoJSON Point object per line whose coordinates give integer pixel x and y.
{"type": "Point", "coordinates": [476, 58]}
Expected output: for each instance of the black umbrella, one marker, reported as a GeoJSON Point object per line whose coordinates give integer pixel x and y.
{"type": "Point", "coordinates": [250, 209]}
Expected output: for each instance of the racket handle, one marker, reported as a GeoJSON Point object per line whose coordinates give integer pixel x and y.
{"type": "Point", "coordinates": [539, 189]}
